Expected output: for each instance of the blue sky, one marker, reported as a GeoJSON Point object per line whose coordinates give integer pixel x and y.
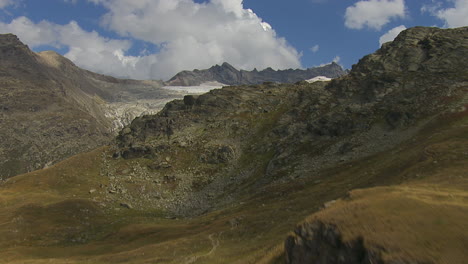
{"type": "Point", "coordinates": [154, 39]}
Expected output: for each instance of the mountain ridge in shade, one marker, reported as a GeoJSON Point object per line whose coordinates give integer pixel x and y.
{"type": "Point", "coordinates": [229, 75]}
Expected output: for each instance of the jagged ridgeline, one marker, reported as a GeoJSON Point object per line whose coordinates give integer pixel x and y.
{"type": "Point", "coordinates": [372, 165]}
{"type": "Point", "coordinates": [229, 75]}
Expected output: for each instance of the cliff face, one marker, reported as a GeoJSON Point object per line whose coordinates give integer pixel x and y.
{"type": "Point", "coordinates": [229, 75]}
{"type": "Point", "coordinates": [50, 109]}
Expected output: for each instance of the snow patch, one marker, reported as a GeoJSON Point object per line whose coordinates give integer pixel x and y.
{"type": "Point", "coordinates": [319, 79]}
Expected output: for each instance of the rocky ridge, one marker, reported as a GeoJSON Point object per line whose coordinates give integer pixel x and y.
{"type": "Point", "coordinates": [229, 75]}
{"type": "Point", "coordinates": [424, 68]}
{"type": "Point", "coordinates": [207, 150]}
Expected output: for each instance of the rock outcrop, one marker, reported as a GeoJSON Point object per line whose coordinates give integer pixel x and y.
{"type": "Point", "coordinates": [316, 242]}
{"type": "Point", "coordinates": [396, 224]}
{"type": "Point", "coordinates": [229, 75]}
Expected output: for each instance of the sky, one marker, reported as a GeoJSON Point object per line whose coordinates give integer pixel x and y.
{"type": "Point", "coordinates": [155, 39]}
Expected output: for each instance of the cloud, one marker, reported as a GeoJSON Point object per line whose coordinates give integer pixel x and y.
{"type": "Point", "coordinates": [431, 8]}
{"type": "Point", "coordinates": [373, 13]}
{"type": "Point", "coordinates": [5, 3]}
{"type": "Point", "coordinates": [315, 48]}
{"type": "Point", "coordinates": [337, 59]}
{"type": "Point", "coordinates": [87, 49]}
{"type": "Point", "coordinates": [391, 34]}
{"type": "Point", "coordinates": [198, 35]}
{"type": "Point", "coordinates": [31, 33]}
{"type": "Point", "coordinates": [456, 16]}
{"type": "Point", "coordinates": [187, 35]}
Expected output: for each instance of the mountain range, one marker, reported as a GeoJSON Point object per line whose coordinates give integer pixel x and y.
{"type": "Point", "coordinates": [369, 167]}
{"type": "Point", "coordinates": [229, 75]}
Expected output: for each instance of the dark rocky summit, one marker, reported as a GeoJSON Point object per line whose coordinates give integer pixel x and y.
{"type": "Point", "coordinates": [229, 75]}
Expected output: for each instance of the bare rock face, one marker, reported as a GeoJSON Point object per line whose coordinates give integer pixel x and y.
{"type": "Point", "coordinates": [428, 55]}
{"type": "Point", "coordinates": [227, 74]}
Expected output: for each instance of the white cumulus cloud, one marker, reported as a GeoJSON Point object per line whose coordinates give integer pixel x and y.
{"type": "Point", "coordinates": [188, 35]}
{"type": "Point", "coordinates": [391, 34]}
{"type": "Point", "coordinates": [456, 16]}
{"type": "Point", "coordinates": [193, 35]}
{"type": "Point", "coordinates": [87, 49]}
{"type": "Point", "coordinates": [373, 13]}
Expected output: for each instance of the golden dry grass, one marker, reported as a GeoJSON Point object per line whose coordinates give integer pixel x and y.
{"type": "Point", "coordinates": [415, 223]}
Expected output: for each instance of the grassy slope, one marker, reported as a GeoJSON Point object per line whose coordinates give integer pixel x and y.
{"type": "Point", "coordinates": [416, 222]}
{"type": "Point", "coordinates": [49, 216]}
{"type": "Point", "coordinates": [422, 220]}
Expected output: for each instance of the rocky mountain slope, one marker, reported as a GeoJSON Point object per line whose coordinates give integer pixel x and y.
{"type": "Point", "coordinates": [50, 109]}
{"type": "Point", "coordinates": [229, 75]}
{"type": "Point", "coordinates": [229, 133]}
{"type": "Point", "coordinates": [378, 157]}
{"type": "Point", "coordinates": [421, 220]}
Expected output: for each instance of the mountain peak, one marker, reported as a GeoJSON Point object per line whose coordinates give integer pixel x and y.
{"type": "Point", "coordinates": [9, 39]}
{"type": "Point", "coordinates": [53, 59]}
{"type": "Point", "coordinates": [228, 66]}
{"type": "Point", "coordinates": [12, 49]}
{"type": "Point", "coordinates": [227, 74]}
